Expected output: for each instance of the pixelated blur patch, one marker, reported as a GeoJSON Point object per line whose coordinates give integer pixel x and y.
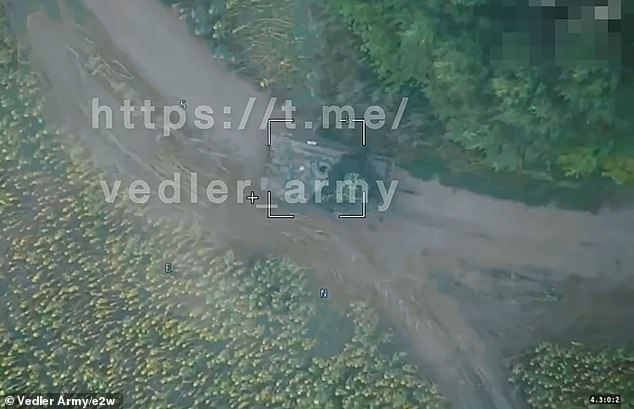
{"type": "Point", "coordinates": [588, 33]}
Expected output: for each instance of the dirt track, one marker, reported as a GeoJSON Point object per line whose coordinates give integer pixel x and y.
{"type": "Point", "coordinates": [468, 278]}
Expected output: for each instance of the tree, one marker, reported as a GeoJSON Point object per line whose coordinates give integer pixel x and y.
{"type": "Point", "coordinates": [508, 87]}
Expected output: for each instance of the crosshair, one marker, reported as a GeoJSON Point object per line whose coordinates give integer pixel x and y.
{"type": "Point", "coordinates": [252, 197]}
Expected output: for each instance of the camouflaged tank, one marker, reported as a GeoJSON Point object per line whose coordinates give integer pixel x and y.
{"type": "Point", "coordinates": [310, 158]}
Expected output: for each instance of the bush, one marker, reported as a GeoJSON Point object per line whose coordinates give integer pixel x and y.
{"type": "Point", "coordinates": [493, 91]}
{"type": "Point", "coordinates": [255, 35]}
{"type": "Point", "coordinates": [87, 307]}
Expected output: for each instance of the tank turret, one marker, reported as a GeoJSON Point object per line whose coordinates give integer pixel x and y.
{"type": "Point", "coordinates": [309, 159]}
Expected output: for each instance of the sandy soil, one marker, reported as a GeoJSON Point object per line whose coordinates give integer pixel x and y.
{"type": "Point", "coordinates": [468, 278]}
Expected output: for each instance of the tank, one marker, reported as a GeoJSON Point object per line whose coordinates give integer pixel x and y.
{"type": "Point", "coordinates": [309, 159]}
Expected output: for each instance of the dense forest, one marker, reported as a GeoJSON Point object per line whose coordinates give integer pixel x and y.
{"type": "Point", "coordinates": [525, 89]}
{"type": "Point", "coordinates": [509, 82]}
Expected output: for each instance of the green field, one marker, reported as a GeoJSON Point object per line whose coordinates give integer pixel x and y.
{"type": "Point", "coordinates": [87, 306]}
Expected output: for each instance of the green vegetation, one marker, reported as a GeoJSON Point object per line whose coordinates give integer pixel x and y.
{"type": "Point", "coordinates": [475, 83]}
{"type": "Point", "coordinates": [494, 91]}
{"type": "Point", "coordinates": [263, 30]}
{"type": "Point", "coordinates": [556, 377]}
{"type": "Point", "coordinates": [87, 306]}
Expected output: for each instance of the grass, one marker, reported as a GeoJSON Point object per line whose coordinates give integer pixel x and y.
{"type": "Point", "coordinates": [557, 376]}
{"type": "Point", "coordinates": [87, 305]}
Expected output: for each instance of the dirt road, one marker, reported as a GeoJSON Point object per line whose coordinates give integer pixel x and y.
{"type": "Point", "coordinates": [468, 278]}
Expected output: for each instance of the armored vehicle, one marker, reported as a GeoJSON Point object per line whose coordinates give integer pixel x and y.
{"type": "Point", "coordinates": [315, 161]}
